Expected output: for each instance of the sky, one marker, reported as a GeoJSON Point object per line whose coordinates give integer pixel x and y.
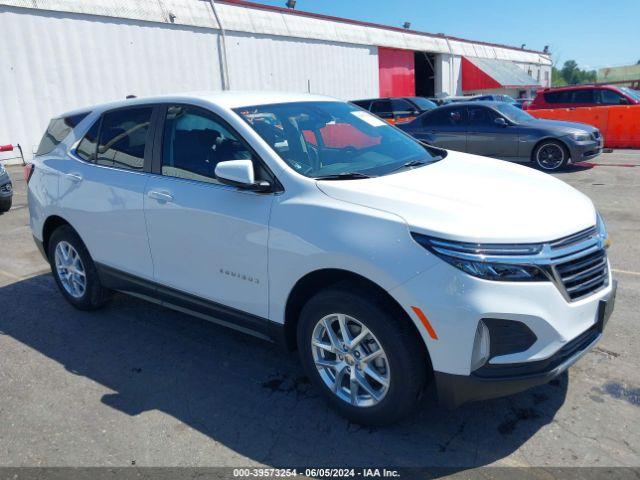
{"type": "Point", "coordinates": [594, 33]}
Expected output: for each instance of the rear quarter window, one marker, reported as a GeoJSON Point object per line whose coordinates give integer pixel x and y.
{"type": "Point", "coordinates": [57, 131]}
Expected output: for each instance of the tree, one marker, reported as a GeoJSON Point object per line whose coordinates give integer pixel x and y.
{"type": "Point", "coordinates": [556, 78]}
{"type": "Point", "coordinates": [571, 74]}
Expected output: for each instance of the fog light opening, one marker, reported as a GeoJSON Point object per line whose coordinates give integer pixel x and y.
{"type": "Point", "coordinates": [481, 346]}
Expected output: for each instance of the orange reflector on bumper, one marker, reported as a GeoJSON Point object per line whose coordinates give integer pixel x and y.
{"type": "Point", "coordinates": [425, 321]}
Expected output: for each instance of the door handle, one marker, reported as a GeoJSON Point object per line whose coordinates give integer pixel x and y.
{"type": "Point", "coordinates": [74, 177]}
{"type": "Point", "coordinates": [160, 196]}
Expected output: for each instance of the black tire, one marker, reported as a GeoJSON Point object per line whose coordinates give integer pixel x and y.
{"type": "Point", "coordinates": [5, 204]}
{"type": "Point", "coordinates": [550, 156]}
{"type": "Point", "coordinates": [409, 366]}
{"type": "Point", "coordinates": [95, 295]}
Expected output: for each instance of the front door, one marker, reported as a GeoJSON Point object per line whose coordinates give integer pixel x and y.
{"type": "Point", "coordinates": [485, 137]}
{"type": "Point", "coordinates": [207, 239]}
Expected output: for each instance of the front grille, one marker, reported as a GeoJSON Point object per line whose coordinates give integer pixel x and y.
{"type": "Point", "coordinates": [584, 275]}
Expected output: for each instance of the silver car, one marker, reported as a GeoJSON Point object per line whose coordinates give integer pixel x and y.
{"type": "Point", "coordinates": [6, 190]}
{"type": "Point", "coordinates": [500, 130]}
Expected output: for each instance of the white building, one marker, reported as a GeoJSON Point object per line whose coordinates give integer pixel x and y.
{"type": "Point", "coordinates": [56, 55]}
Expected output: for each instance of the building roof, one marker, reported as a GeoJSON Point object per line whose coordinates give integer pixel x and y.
{"type": "Point", "coordinates": [370, 24]}
{"type": "Point", "coordinates": [490, 73]}
{"type": "Point", "coordinates": [253, 18]}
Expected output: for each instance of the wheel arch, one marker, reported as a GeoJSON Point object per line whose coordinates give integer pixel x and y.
{"type": "Point", "coordinates": [330, 277]}
{"type": "Point", "coordinates": [51, 224]}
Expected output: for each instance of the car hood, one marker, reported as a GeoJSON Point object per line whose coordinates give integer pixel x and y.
{"type": "Point", "coordinates": [560, 127]}
{"type": "Point", "coordinates": [471, 198]}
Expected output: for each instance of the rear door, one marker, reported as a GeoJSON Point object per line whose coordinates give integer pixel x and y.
{"type": "Point", "coordinates": [485, 137]}
{"type": "Point", "coordinates": [584, 97]}
{"type": "Point", "coordinates": [207, 239]}
{"type": "Point", "coordinates": [445, 127]}
{"type": "Point", "coordinates": [102, 186]}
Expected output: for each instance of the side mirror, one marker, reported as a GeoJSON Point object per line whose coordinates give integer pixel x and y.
{"type": "Point", "coordinates": [501, 122]}
{"type": "Point", "coordinates": [624, 101]}
{"type": "Point", "coordinates": [239, 173]}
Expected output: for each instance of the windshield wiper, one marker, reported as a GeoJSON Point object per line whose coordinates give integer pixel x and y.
{"type": "Point", "coordinates": [344, 176]}
{"type": "Point", "coordinates": [410, 164]}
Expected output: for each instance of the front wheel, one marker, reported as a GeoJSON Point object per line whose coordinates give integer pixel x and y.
{"type": "Point", "coordinates": [367, 361]}
{"type": "Point", "coordinates": [74, 270]}
{"type": "Point", "coordinates": [551, 156]}
{"type": "Point", "coordinates": [5, 204]}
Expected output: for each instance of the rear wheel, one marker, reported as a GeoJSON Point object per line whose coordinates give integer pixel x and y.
{"type": "Point", "coordinates": [368, 363]}
{"type": "Point", "coordinates": [551, 155]}
{"type": "Point", "coordinates": [74, 270]}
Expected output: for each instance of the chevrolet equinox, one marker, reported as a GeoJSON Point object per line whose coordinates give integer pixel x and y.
{"type": "Point", "coordinates": [388, 263]}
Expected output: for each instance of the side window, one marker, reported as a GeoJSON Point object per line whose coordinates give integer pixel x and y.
{"type": "Point", "coordinates": [362, 103]}
{"type": "Point", "coordinates": [88, 145]}
{"type": "Point", "coordinates": [195, 142]}
{"type": "Point", "coordinates": [57, 131]}
{"type": "Point", "coordinates": [609, 97]}
{"type": "Point", "coordinates": [381, 106]}
{"type": "Point", "coordinates": [558, 97]}
{"type": "Point", "coordinates": [123, 138]}
{"type": "Point", "coordinates": [481, 116]}
{"type": "Point", "coordinates": [448, 117]}
{"type": "Point", "coordinates": [584, 96]}
{"type": "Point", "coordinates": [400, 105]}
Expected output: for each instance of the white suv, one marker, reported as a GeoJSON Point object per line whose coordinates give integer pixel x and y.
{"type": "Point", "coordinates": [308, 221]}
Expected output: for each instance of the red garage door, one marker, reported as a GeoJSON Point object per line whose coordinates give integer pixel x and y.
{"type": "Point", "coordinates": [397, 72]}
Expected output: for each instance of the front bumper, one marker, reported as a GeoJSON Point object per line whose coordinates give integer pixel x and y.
{"type": "Point", "coordinates": [454, 303]}
{"type": "Point", "coordinates": [583, 151]}
{"type": "Point", "coordinates": [6, 193]}
{"type": "Point", "coordinates": [492, 381]}
{"type": "Point", "coordinates": [6, 187]}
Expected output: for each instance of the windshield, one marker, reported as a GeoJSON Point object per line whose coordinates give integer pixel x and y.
{"type": "Point", "coordinates": [320, 139]}
{"type": "Point", "coordinates": [423, 103]}
{"type": "Point", "coordinates": [632, 93]}
{"type": "Point", "coordinates": [513, 113]}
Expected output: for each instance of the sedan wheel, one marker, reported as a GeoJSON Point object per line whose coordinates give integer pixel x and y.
{"type": "Point", "coordinates": [550, 156]}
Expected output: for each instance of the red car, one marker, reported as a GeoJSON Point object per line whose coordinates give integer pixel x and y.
{"type": "Point", "coordinates": [583, 96]}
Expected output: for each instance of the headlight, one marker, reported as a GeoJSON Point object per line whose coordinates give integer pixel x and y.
{"type": "Point", "coordinates": [499, 262]}
{"type": "Point", "coordinates": [581, 137]}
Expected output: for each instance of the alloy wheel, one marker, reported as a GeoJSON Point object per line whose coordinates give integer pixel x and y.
{"type": "Point", "coordinates": [350, 360]}
{"type": "Point", "coordinates": [70, 270]}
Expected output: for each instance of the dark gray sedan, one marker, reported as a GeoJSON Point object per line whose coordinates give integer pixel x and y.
{"type": "Point", "coordinates": [500, 130]}
{"type": "Point", "coordinates": [6, 190]}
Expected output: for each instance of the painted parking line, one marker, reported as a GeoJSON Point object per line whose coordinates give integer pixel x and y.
{"type": "Point", "coordinates": [626, 272]}
{"type": "Point", "coordinates": [593, 164]}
